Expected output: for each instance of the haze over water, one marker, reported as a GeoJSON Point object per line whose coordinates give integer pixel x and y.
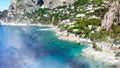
{"type": "Point", "coordinates": [31, 47]}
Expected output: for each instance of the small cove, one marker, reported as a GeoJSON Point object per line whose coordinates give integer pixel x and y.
{"type": "Point", "coordinates": [31, 47]}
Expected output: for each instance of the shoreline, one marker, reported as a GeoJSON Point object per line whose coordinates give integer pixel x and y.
{"type": "Point", "coordinates": [21, 24]}
{"type": "Point", "coordinates": [105, 57]}
{"type": "Point", "coordinates": [101, 56]}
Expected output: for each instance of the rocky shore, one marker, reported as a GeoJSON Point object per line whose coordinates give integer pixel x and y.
{"type": "Point", "coordinates": [103, 56]}
{"type": "Point", "coordinates": [107, 55]}
{"type": "Point", "coordinates": [22, 24]}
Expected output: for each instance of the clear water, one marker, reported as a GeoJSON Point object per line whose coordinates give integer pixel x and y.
{"type": "Point", "coordinates": [31, 47]}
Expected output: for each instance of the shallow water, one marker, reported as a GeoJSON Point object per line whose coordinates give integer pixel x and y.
{"type": "Point", "coordinates": [31, 47]}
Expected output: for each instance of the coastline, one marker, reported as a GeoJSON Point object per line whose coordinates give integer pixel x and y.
{"type": "Point", "coordinates": [106, 57]}
{"type": "Point", "coordinates": [21, 24]}
{"type": "Point", "coordinates": [103, 56]}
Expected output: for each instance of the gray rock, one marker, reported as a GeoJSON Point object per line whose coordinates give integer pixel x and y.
{"type": "Point", "coordinates": [18, 8]}
{"type": "Point", "coordinates": [56, 3]}
{"type": "Point", "coordinates": [111, 15]}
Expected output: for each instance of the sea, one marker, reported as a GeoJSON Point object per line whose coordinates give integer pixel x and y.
{"type": "Point", "coordinates": [37, 47]}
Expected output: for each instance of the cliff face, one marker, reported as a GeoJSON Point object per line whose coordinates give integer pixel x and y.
{"type": "Point", "coordinates": [112, 15]}
{"type": "Point", "coordinates": [55, 3]}
{"type": "Point", "coordinates": [3, 14]}
{"type": "Point", "coordinates": [18, 8]}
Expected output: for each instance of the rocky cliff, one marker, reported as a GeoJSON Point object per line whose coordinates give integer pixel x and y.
{"type": "Point", "coordinates": [18, 8]}
{"type": "Point", "coordinates": [113, 15]}
{"type": "Point", "coordinates": [56, 3]}
{"type": "Point", "coordinates": [3, 14]}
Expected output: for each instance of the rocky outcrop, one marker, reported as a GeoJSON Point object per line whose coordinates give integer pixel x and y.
{"type": "Point", "coordinates": [112, 15]}
{"type": "Point", "coordinates": [56, 3]}
{"type": "Point", "coordinates": [18, 9]}
{"type": "Point", "coordinates": [3, 14]}
{"type": "Point", "coordinates": [103, 56]}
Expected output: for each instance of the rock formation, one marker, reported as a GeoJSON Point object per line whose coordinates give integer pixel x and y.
{"type": "Point", "coordinates": [56, 3]}
{"type": "Point", "coordinates": [3, 14]}
{"type": "Point", "coordinates": [18, 8]}
{"type": "Point", "coordinates": [112, 14]}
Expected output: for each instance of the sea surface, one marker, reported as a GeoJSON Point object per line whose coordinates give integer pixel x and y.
{"type": "Point", "coordinates": [34, 47]}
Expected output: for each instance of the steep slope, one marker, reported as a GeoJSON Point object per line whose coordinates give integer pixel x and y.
{"type": "Point", "coordinates": [18, 8]}
{"type": "Point", "coordinates": [56, 3]}
{"type": "Point", "coordinates": [3, 14]}
{"type": "Point", "coordinates": [113, 15]}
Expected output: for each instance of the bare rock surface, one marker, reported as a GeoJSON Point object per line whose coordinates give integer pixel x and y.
{"type": "Point", "coordinates": [112, 14]}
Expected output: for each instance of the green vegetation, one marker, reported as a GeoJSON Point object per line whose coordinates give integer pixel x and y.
{"type": "Point", "coordinates": [70, 29]}
{"type": "Point", "coordinates": [84, 23]}
{"type": "Point", "coordinates": [48, 16]}
{"type": "Point", "coordinates": [29, 15]}
{"type": "Point", "coordinates": [101, 12]}
{"type": "Point", "coordinates": [80, 2]}
{"type": "Point", "coordinates": [97, 36]}
{"type": "Point", "coordinates": [116, 29]}
{"type": "Point", "coordinates": [118, 54]}
{"type": "Point", "coordinates": [96, 47]}
{"type": "Point", "coordinates": [81, 27]}
{"type": "Point", "coordinates": [61, 7]}
{"type": "Point", "coordinates": [117, 39]}
{"type": "Point", "coordinates": [98, 2]}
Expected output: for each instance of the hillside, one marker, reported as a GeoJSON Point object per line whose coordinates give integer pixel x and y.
{"type": "Point", "coordinates": [92, 22]}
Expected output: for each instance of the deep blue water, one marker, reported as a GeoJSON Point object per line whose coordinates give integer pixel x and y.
{"type": "Point", "coordinates": [31, 47]}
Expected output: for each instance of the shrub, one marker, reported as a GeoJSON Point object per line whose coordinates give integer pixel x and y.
{"type": "Point", "coordinates": [118, 54]}
{"type": "Point", "coordinates": [101, 12]}
{"type": "Point", "coordinates": [70, 29]}
{"type": "Point", "coordinates": [80, 2]}
{"type": "Point", "coordinates": [99, 36]}
{"type": "Point", "coordinates": [87, 31]}
{"type": "Point", "coordinates": [116, 28]}
{"type": "Point", "coordinates": [96, 47]}
{"type": "Point", "coordinates": [98, 2]}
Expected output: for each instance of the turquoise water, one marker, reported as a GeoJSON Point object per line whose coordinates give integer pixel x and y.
{"type": "Point", "coordinates": [31, 47]}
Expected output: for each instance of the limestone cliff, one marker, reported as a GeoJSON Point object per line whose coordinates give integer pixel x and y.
{"type": "Point", "coordinates": [3, 14]}
{"type": "Point", "coordinates": [56, 3]}
{"type": "Point", "coordinates": [18, 8]}
{"type": "Point", "coordinates": [112, 15]}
